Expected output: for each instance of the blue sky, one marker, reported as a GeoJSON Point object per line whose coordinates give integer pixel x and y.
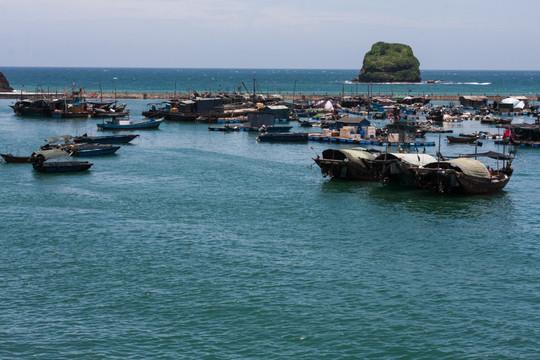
{"type": "Point", "coordinates": [456, 35]}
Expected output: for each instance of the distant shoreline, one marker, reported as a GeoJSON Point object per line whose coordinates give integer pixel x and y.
{"type": "Point", "coordinates": [167, 96]}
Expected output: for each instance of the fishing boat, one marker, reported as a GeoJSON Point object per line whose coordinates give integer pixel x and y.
{"type": "Point", "coordinates": [462, 139]}
{"type": "Point", "coordinates": [524, 134]}
{"type": "Point", "coordinates": [229, 128]}
{"type": "Point", "coordinates": [159, 110]}
{"type": "Point", "coordinates": [465, 175]}
{"type": "Point", "coordinates": [118, 124]}
{"type": "Point", "coordinates": [61, 166]}
{"type": "Point", "coordinates": [35, 107]}
{"type": "Point", "coordinates": [10, 158]}
{"type": "Point", "coordinates": [46, 152]}
{"type": "Point", "coordinates": [83, 149]}
{"type": "Point", "coordinates": [350, 164]}
{"type": "Point", "coordinates": [283, 137]}
{"type": "Point", "coordinates": [41, 163]}
{"type": "Point", "coordinates": [105, 139]}
{"type": "Point", "coordinates": [78, 149]}
{"type": "Point", "coordinates": [76, 107]}
{"type": "Point", "coordinates": [492, 120]}
{"type": "Point", "coordinates": [101, 109]}
{"type": "Point", "coordinates": [397, 168]}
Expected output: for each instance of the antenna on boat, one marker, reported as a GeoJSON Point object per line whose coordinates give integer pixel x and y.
{"type": "Point", "coordinates": [439, 152]}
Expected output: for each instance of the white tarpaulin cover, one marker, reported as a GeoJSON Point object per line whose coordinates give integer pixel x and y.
{"type": "Point", "coordinates": [516, 103]}
{"type": "Point", "coordinates": [416, 159]}
{"type": "Point", "coordinates": [510, 100]}
{"type": "Point", "coordinates": [471, 167]}
{"type": "Point", "coordinates": [328, 106]}
{"type": "Point", "coordinates": [54, 153]}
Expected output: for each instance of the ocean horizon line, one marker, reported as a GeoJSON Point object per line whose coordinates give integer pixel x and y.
{"type": "Point", "coordinates": [239, 68]}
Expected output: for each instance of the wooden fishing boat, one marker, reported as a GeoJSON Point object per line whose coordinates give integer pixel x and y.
{"type": "Point", "coordinates": [465, 175]}
{"type": "Point", "coordinates": [117, 124]}
{"type": "Point", "coordinates": [462, 139]}
{"type": "Point", "coordinates": [350, 164]}
{"type": "Point", "coordinates": [34, 107]}
{"type": "Point", "coordinates": [105, 139]}
{"type": "Point", "coordinates": [10, 158]}
{"type": "Point", "coordinates": [397, 168]}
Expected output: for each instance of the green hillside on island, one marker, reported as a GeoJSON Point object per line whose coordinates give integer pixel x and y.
{"type": "Point", "coordinates": [387, 62]}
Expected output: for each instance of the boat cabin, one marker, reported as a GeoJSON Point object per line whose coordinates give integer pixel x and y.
{"type": "Point", "coordinates": [209, 107]}
{"type": "Point", "coordinates": [258, 119]}
{"type": "Point", "coordinates": [474, 102]}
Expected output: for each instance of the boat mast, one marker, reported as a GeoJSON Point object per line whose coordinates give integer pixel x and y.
{"type": "Point", "coordinates": [439, 153]}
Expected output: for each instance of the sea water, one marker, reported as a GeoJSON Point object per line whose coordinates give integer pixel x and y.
{"type": "Point", "coordinates": [189, 243]}
{"type": "Point", "coordinates": [280, 81]}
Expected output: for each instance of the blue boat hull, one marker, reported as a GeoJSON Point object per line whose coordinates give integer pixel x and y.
{"type": "Point", "coordinates": [95, 152]}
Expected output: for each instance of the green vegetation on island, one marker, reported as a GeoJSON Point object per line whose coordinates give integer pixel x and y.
{"type": "Point", "coordinates": [390, 63]}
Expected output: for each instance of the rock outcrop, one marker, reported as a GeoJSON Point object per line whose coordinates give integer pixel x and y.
{"type": "Point", "coordinates": [4, 84]}
{"type": "Point", "coordinates": [390, 63]}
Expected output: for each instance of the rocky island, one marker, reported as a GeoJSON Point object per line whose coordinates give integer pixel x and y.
{"type": "Point", "coordinates": [4, 84]}
{"type": "Point", "coordinates": [387, 62]}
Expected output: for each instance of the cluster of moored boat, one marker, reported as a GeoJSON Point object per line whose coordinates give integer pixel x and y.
{"type": "Point", "coordinates": [69, 106]}
{"type": "Point", "coordinates": [61, 147]}
{"type": "Point", "coordinates": [463, 174]}
{"type": "Point", "coordinates": [459, 175]}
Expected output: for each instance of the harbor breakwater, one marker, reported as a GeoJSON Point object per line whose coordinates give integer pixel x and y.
{"type": "Point", "coordinates": [288, 97]}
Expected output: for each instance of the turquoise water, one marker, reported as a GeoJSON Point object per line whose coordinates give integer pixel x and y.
{"type": "Point", "coordinates": [208, 245]}
{"type": "Point", "coordinates": [284, 81]}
